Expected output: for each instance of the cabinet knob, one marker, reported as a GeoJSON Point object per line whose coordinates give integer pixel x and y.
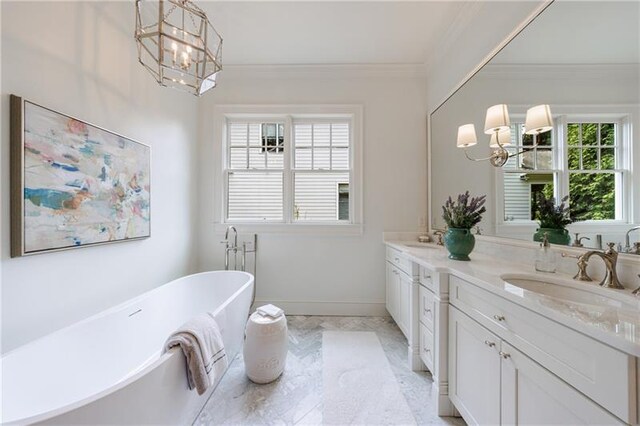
{"type": "Point", "coordinates": [504, 355]}
{"type": "Point", "coordinates": [427, 311]}
{"type": "Point", "coordinates": [397, 259]}
{"type": "Point", "coordinates": [488, 343]}
{"type": "Point", "coordinates": [499, 317]}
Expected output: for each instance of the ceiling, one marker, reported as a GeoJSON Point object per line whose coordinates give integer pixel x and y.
{"type": "Point", "coordinates": [321, 32]}
{"type": "Point", "coordinates": [579, 32]}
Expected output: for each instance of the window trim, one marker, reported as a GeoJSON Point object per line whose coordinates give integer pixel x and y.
{"type": "Point", "coordinates": [289, 114]}
{"type": "Point", "coordinates": [574, 114]}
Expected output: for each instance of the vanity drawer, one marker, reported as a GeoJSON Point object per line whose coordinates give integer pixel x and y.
{"type": "Point", "coordinates": [426, 278]}
{"type": "Point", "coordinates": [426, 347]}
{"type": "Point", "coordinates": [427, 308]}
{"type": "Point", "coordinates": [604, 374]}
{"type": "Point", "coordinates": [397, 258]}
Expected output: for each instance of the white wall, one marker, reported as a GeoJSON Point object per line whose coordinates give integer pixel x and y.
{"type": "Point", "coordinates": [479, 29]}
{"type": "Point", "coordinates": [322, 273]}
{"type": "Point", "coordinates": [80, 58]}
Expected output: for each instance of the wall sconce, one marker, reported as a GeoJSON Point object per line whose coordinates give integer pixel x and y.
{"type": "Point", "coordinates": [498, 125]}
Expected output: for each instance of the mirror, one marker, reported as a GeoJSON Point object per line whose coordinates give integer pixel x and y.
{"type": "Point", "coordinates": [583, 60]}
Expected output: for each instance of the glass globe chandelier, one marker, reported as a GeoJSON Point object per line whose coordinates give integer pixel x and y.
{"type": "Point", "coordinates": [178, 45]}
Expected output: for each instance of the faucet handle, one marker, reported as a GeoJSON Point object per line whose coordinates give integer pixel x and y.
{"type": "Point", "coordinates": [611, 248]}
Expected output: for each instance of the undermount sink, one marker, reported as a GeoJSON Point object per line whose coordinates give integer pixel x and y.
{"type": "Point", "coordinates": [575, 292]}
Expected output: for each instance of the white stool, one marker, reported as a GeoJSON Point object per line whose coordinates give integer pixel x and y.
{"type": "Point", "coordinates": [265, 347]}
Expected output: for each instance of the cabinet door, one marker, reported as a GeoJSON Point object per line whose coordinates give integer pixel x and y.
{"type": "Point", "coordinates": [474, 370]}
{"type": "Point", "coordinates": [393, 291]}
{"type": "Point", "coordinates": [389, 289]}
{"type": "Point", "coordinates": [405, 303]}
{"type": "Point", "coordinates": [532, 395]}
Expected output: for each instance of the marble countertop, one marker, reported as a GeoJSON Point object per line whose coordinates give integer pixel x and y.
{"type": "Point", "coordinates": [616, 323]}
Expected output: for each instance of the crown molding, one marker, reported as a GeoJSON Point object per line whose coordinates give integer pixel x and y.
{"type": "Point", "coordinates": [323, 71]}
{"type": "Point", "coordinates": [559, 71]}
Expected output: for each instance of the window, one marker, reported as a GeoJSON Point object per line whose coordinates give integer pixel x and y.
{"type": "Point", "coordinates": [321, 164]}
{"type": "Point", "coordinates": [272, 137]}
{"type": "Point", "coordinates": [585, 163]}
{"type": "Point", "coordinates": [593, 178]}
{"type": "Point", "coordinates": [528, 173]}
{"type": "Point", "coordinates": [291, 168]}
{"type": "Point", "coordinates": [343, 201]}
{"type": "Point", "coordinates": [255, 173]}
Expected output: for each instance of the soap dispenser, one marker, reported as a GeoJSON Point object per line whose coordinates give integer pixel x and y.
{"type": "Point", "coordinates": [545, 258]}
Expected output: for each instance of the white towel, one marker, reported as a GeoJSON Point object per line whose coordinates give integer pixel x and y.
{"type": "Point", "coordinates": [202, 345]}
{"type": "Point", "coordinates": [270, 310]}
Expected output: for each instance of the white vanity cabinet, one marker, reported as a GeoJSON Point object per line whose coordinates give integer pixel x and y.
{"type": "Point", "coordinates": [564, 378]}
{"type": "Point", "coordinates": [401, 275]}
{"type": "Point", "coordinates": [417, 299]}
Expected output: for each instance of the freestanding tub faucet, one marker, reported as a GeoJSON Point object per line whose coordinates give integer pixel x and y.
{"type": "Point", "coordinates": [229, 247]}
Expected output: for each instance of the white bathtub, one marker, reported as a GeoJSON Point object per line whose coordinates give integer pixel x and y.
{"type": "Point", "coordinates": [108, 369]}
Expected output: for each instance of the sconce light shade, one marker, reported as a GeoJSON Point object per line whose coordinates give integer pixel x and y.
{"type": "Point", "coordinates": [497, 119]}
{"type": "Point", "coordinates": [504, 137]}
{"type": "Point", "coordinates": [538, 120]}
{"type": "Point", "coordinates": [467, 136]}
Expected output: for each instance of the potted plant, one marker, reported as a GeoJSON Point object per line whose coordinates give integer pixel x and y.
{"type": "Point", "coordinates": [460, 216]}
{"type": "Point", "coordinates": [553, 219]}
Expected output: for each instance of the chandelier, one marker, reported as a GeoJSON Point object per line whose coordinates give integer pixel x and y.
{"type": "Point", "coordinates": [497, 124]}
{"type": "Point", "coordinates": [178, 45]}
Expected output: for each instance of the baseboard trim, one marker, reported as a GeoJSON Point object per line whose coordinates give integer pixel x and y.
{"type": "Point", "coordinates": [366, 309]}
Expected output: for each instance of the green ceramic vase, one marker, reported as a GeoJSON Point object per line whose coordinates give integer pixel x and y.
{"type": "Point", "coordinates": [459, 242]}
{"type": "Point", "coordinates": [555, 236]}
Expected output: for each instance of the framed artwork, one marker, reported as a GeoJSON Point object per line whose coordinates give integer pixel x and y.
{"type": "Point", "coordinates": [74, 184]}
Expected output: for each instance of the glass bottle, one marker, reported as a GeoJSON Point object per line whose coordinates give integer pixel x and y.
{"type": "Point", "coordinates": [545, 257]}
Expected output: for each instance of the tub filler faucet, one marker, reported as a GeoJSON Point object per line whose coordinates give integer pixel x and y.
{"type": "Point", "coordinates": [247, 248]}
{"type": "Point", "coordinates": [230, 247]}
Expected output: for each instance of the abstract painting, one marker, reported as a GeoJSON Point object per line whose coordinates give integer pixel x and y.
{"type": "Point", "coordinates": [74, 184]}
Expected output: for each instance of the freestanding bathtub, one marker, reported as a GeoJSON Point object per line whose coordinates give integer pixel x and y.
{"type": "Point", "coordinates": [109, 369]}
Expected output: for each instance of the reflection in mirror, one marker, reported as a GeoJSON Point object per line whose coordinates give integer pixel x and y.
{"type": "Point", "coordinates": [582, 59]}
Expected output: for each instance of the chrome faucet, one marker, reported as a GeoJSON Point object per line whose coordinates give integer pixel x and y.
{"type": "Point", "coordinates": [627, 244]}
{"type": "Point", "coordinates": [578, 240]}
{"type": "Point", "coordinates": [610, 258]}
{"type": "Point", "coordinates": [230, 247]}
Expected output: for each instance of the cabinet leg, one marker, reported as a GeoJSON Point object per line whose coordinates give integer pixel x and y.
{"type": "Point", "coordinates": [444, 406]}
{"type": "Point", "coordinates": [415, 362]}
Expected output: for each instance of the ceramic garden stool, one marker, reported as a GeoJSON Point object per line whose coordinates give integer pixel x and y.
{"type": "Point", "coordinates": [265, 347]}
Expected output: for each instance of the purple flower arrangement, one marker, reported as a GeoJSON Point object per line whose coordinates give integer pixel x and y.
{"type": "Point", "coordinates": [550, 215]}
{"type": "Point", "coordinates": [465, 212]}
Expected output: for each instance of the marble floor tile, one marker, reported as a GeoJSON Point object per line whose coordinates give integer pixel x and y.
{"type": "Point", "coordinates": [296, 397]}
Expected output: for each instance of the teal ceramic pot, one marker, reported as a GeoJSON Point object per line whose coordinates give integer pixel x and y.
{"type": "Point", "coordinates": [459, 242]}
{"type": "Point", "coordinates": [555, 236]}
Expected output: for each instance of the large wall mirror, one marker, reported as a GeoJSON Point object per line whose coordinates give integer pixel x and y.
{"type": "Point", "coordinates": [582, 59]}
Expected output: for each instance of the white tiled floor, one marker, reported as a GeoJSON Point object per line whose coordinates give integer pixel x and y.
{"type": "Point", "coordinates": [296, 398]}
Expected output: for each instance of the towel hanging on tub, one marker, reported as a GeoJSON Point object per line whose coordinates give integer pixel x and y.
{"type": "Point", "coordinates": [201, 342]}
